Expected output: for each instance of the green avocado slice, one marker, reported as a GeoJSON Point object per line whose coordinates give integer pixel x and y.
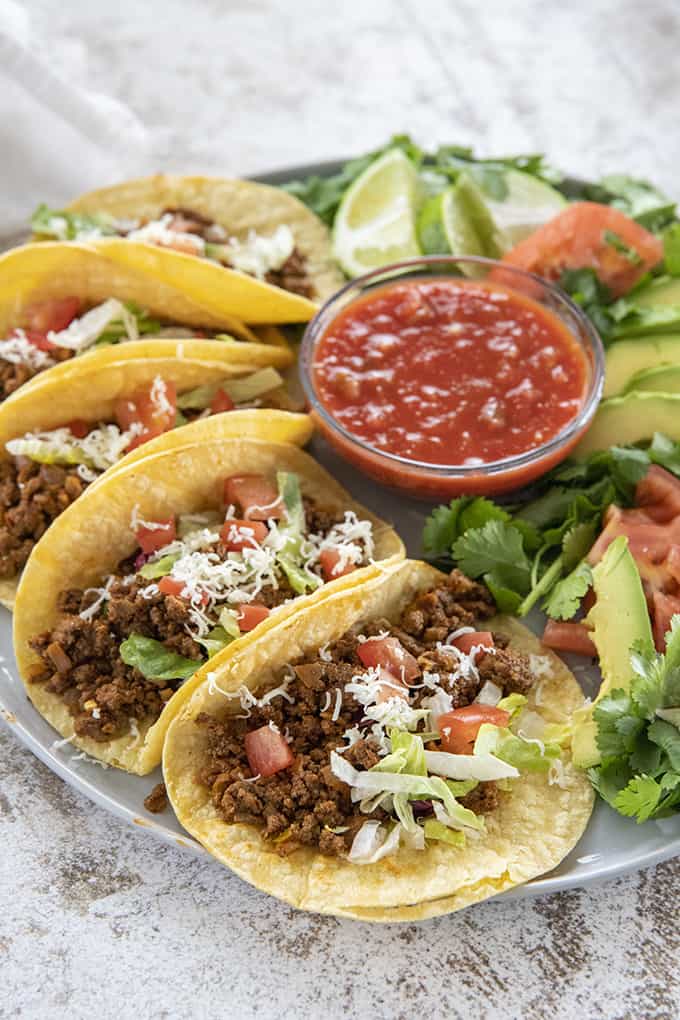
{"type": "Point", "coordinates": [627, 358]}
{"type": "Point", "coordinates": [621, 421]}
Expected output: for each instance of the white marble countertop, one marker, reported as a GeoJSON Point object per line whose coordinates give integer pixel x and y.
{"type": "Point", "coordinates": [99, 920]}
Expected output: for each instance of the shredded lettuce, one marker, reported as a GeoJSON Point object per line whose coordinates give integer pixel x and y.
{"type": "Point", "coordinates": [155, 661]}
{"type": "Point", "coordinates": [531, 755]}
{"type": "Point", "coordinates": [435, 829]}
{"type": "Point", "coordinates": [62, 225]}
{"type": "Point", "coordinates": [290, 555]}
{"type": "Point", "coordinates": [159, 568]}
{"type": "Point", "coordinates": [240, 390]}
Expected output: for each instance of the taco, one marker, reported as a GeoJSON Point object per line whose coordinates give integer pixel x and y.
{"type": "Point", "coordinates": [263, 250]}
{"type": "Point", "coordinates": [162, 567]}
{"type": "Point", "coordinates": [60, 433]}
{"type": "Point", "coordinates": [60, 301]}
{"type": "Point", "coordinates": [396, 752]}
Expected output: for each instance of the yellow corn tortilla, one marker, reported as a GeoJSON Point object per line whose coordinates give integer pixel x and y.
{"type": "Point", "coordinates": [88, 387]}
{"type": "Point", "coordinates": [534, 827]}
{"type": "Point", "coordinates": [237, 205]}
{"type": "Point", "coordinates": [93, 535]}
{"type": "Point", "coordinates": [54, 269]}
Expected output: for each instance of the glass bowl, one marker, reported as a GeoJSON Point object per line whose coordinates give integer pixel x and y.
{"type": "Point", "coordinates": [443, 481]}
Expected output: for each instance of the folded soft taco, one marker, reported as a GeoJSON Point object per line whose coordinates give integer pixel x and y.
{"type": "Point", "coordinates": [168, 562]}
{"type": "Point", "coordinates": [395, 752]}
{"type": "Point", "coordinates": [61, 432]}
{"type": "Point", "coordinates": [60, 301]}
{"type": "Point", "coordinates": [267, 254]}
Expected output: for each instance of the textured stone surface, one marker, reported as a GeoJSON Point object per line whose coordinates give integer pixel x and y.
{"type": "Point", "coordinates": [95, 918]}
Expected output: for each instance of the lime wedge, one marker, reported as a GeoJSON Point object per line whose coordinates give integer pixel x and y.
{"type": "Point", "coordinates": [458, 222]}
{"type": "Point", "coordinates": [528, 204]}
{"type": "Point", "coordinates": [375, 223]}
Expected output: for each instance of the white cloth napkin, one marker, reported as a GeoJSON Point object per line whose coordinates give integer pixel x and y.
{"type": "Point", "coordinates": [57, 139]}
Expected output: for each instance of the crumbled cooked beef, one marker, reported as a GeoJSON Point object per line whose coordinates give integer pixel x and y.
{"type": "Point", "coordinates": [32, 495]}
{"type": "Point", "coordinates": [157, 800]}
{"type": "Point", "coordinates": [12, 375]}
{"type": "Point", "coordinates": [80, 657]}
{"type": "Point", "coordinates": [306, 805]}
{"type": "Point", "coordinates": [509, 670]}
{"type": "Point", "coordinates": [293, 275]}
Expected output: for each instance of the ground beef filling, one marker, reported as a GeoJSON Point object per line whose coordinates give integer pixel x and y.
{"type": "Point", "coordinates": [32, 495]}
{"type": "Point", "coordinates": [306, 805]}
{"type": "Point", "coordinates": [12, 375]}
{"type": "Point", "coordinates": [80, 658]}
{"type": "Point", "coordinates": [291, 276]}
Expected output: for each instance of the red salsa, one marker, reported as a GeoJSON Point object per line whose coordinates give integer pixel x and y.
{"type": "Point", "coordinates": [449, 371]}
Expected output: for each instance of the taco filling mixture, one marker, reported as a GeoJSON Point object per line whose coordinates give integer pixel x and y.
{"type": "Point", "coordinates": [47, 471]}
{"type": "Point", "coordinates": [274, 259]}
{"type": "Point", "coordinates": [194, 584]}
{"type": "Point", "coordinates": [398, 733]}
{"type": "Point", "coordinates": [61, 328]}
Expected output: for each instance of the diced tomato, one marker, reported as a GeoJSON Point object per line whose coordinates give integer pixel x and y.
{"type": "Point", "coordinates": [249, 615]}
{"type": "Point", "coordinates": [459, 728]}
{"type": "Point", "coordinates": [664, 608]}
{"type": "Point", "coordinates": [152, 407]}
{"type": "Point", "coordinates": [257, 496]}
{"type": "Point", "coordinates": [238, 535]}
{"type": "Point", "coordinates": [647, 540]}
{"type": "Point", "coordinates": [569, 637]}
{"type": "Point", "coordinates": [390, 687]}
{"type": "Point", "coordinates": [221, 402]}
{"type": "Point", "coordinates": [389, 653]}
{"type": "Point", "coordinates": [78, 428]}
{"type": "Point", "coordinates": [590, 235]}
{"type": "Point", "coordinates": [39, 340]}
{"type": "Point", "coordinates": [169, 586]}
{"type": "Point", "coordinates": [152, 539]}
{"type": "Point", "coordinates": [588, 600]}
{"type": "Point", "coordinates": [672, 563]}
{"type": "Point", "coordinates": [466, 642]}
{"type": "Point", "coordinates": [659, 494]}
{"type": "Point", "coordinates": [52, 315]}
{"type": "Point", "coordinates": [268, 751]}
{"type": "Point", "coordinates": [330, 565]}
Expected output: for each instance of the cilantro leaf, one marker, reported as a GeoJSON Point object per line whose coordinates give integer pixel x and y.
{"type": "Point", "coordinates": [577, 542]}
{"type": "Point", "coordinates": [565, 598]}
{"type": "Point", "coordinates": [441, 529]}
{"type": "Point", "coordinates": [667, 737]}
{"type": "Point", "coordinates": [639, 799]}
{"type": "Point", "coordinates": [496, 550]}
{"type": "Point", "coordinates": [671, 249]}
{"type": "Point", "coordinates": [478, 511]}
{"type": "Point", "coordinates": [665, 452]}
{"type": "Point", "coordinates": [617, 725]}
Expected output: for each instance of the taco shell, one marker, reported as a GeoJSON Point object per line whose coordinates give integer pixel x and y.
{"type": "Point", "coordinates": [55, 269]}
{"type": "Point", "coordinates": [93, 535]}
{"type": "Point", "coordinates": [534, 827]}
{"type": "Point", "coordinates": [238, 206]}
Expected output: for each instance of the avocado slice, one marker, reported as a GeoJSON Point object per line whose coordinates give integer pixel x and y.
{"type": "Point", "coordinates": [664, 291]}
{"type": "Point", "coordinates": [631, 418]}
{"type": "Point", "coordinates": [625, 358]}
{"type": "Point", "coordinates": [619, 618]}
{"type": "Point", "coordinates": [663, 379]}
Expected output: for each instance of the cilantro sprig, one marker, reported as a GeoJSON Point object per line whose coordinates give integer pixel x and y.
{"type": "Point", "coordinates": [639, 744]}
{"type": "Point", "coordinates": [534, 552]}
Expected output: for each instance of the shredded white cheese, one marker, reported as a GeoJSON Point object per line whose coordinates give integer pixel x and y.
{"type": "Point", "coordinates": [18, 350]}
{"type": "Point", "coordinates": [259, 255]}
{"type": "Point", "coordinates": [159, 232]}
{"type": "Point", "coordinates": [99, 449]}
{"type": "Point", "coordinates": [84, 331]}
{"type": "Point", "coordinates": [338, 706]}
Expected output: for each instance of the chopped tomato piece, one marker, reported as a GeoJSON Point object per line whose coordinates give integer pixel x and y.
{"type": "Point", "coordinates": [466, 642]}
{"type": "Point", "coordinates": [78, 428]}
{"type": "Point", "coordinates": [664, 608]}
{"type": "Point", "coordinates": [672, 563]}
{"type": "Point", "coordinates": [151, 408]}
{"type": "Point", "coordinates": [646, 539]}
{"type": "Point", "coordinates": [238, 535]}
{"type": "Point", "coordinates": [459, 728]}
{"type": "Point", "coordinates": [390, 687]}
{"type": "Point", "coordinates": [389, 653]}
{"type": "Point", "coordinates": [594, 236]}
{"type": "Point", "coordinates": [268, 751]}
{"type": "Point", "coordinates": [569, 637]}
{"type": "Point", "coordinates": [39, 340]}
{"type": "Point", "coordinates": [170, 586]}
{"type": "Point", "coordinates": [588, 600]}
{"type": "Point", "coordinates": [151, 539]}
{"type": "Point", "coordinates": [250, 614]}
{"type": "Point", "coordinates": [330, 565]}
{"type": "Point", "coordinates": [257, 496]}
{"type": "Point", "coordinates": [659, 494]}
{"type": "Point", "coordinates": [52, 315]}
{"type": "Point", "coordinates": [221, 402]}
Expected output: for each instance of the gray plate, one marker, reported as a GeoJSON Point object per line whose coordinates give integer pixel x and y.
{"type": "Point", "coordinates": [611, 845]}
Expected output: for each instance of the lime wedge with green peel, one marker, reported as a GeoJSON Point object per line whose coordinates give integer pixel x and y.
{"type": "Point", "coordinates": [376, 221]}
{"type": "Point", "coordinates": [458, 222]}
{"type": "Point", "coordinates": [528, 203]}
